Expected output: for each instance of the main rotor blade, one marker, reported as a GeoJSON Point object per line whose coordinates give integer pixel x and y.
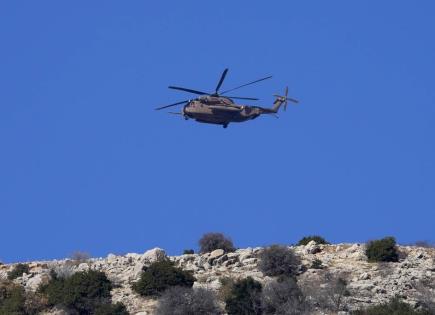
{"type": "Point", "coordinates": [224, 74]}
{"type": "Point", "coordinates": [238, 87]}
{"type": "Point", "coordinates": [175, 104]}
{"type": "Point", "coordinates": [243, 98]}
{"type": "Point", "coordinates": [188, 90]}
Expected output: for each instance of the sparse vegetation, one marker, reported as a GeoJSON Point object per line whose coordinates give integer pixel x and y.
{"type": "Point", "coordinates": [183, 300]}
{"type": "Point", "coordinates": [425, 293]}
{"type": "Point", "coordinates": [12, 299]}
{"type": "Point", "coordinates": [18, 271]}
{"type": "Point", "coordinates": [84, 292]}
{"type": "Point", "coordinates": [188, 252]}
{"type": "Point", "coordinates": [161, 275]}
{"type": "Point", "coordinates": [327, 292]}
{"type": "Point", "coordinates": [244, 298]}
{"type": "Point", "coordinates": [394, 307]}
{"type": "Point", "coordinates": [283, 297]}
{"type": "Point", "coordinates": [227, 284]}
{"type": "Point", "coordinates": [336, 291]}
{"type": "Point", "coordinates": [211, 241]}
{"type": "Point", "coordinates": [425, 244]}
{"type": "Point", "coordinates": [318, 239]}
{"type": "Point", "coordinates": [383, 250]}
{"type": "Point", "coordinates": [277, 260]}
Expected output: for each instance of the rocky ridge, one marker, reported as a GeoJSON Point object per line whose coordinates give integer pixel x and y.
{"type": "Point", "coordinates": [368, 283]}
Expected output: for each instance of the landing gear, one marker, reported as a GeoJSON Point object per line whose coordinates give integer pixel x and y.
{"type": "Point", "coordinates": [225, 125]}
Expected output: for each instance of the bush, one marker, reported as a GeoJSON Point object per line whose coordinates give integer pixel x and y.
{"type": "Point", "coordinates": [83, 292]}
{"type": "Point", "coordinates": [12, 299]}
{"type": "Point", "coordinates": [18, 271]}
{"type": "Point", "coordinates": [161, 275]}
{"type": "Point", "coordinates": [327, 291]}
{"type": "Point", "coordinates": [317, 264]}
{"type": "Point", "coordinates": [316, 238]}
{"type": "Point", "coordinates": [383, 250]}
{"type": "Point", "coordinates": [394, 307]}
{"type": "Point", "coordinates": [35, 303]}
{"type": "Point", "coordinates": [211, 241]}
{"type": "Point", "coordinates": [111, 309]}
{"type": "Point", "coordinates": [188, 252]}
{"type": "Point", "coordinates": [278, 260]}
{"type": "Point", "coordinates": [244, 298]}
{"type": "Point", "coordinates": [283, 297]}
{"type": "Point", "coordinates": [182, 300]}
{"type": "Point", "coordinates": [79, 257]}
{"type": "Point", "coordinates": [227, 284]}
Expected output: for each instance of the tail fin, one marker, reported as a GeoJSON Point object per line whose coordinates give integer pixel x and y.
{"type": "Point", "coordinates": [282, 100]}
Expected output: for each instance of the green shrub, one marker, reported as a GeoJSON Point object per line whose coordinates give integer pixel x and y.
{"type": "Point", "coordinates": [83, 292]}
{"type": "Point", "coordinates": [244, 298]}
{"type": "Point", "coordinates": [317, 264]}
{"type": "Point", "coordinates": [18, 271]}
{"type": "Point", "coordinates": [394, 307]}
{"type": "Point", "coordinates": [188, 252]}
{"type": "Point", "coordinates": [318, 239]}
{"type": "Point", "coordinates": [12, 299]}
{"type": "Point", "coordinates": [383, 250]}
{"type": "Point", "coordinates": [182, 300]}
{"type": "Point", "coordinates": [277, 260]}
{"type": "Point", "coordinates": [161, 275]}
{"type": "Point", "coordinates": [111, 309]}
{"type": "Point", "coordinates": [211, 241]}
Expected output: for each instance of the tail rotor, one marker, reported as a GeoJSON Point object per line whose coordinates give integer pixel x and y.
{"type": "Point", "coordinates": [285, 98]}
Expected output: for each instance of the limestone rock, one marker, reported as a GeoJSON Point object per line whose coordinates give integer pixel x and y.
{"type": "Point", "coordinates": [153, 255]}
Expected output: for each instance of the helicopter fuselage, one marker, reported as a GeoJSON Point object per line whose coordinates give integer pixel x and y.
{"type": "Point", "coordinates": [219, 110]}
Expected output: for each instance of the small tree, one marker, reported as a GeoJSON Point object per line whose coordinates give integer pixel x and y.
{"type": "Point", "coordinates": [188, 252]}
{"type": "Point", "coordinates": [18, 271]}
{"type": "Point", "coordinates": [383, 250]}
{"type": "Point", "coordinates": [79, 257]}
{"type": "Point", "coordinates": [283, 297]}
{"type": "Point", "coordinates": [318, 239]}
{"type": "Point", "coordinates": [211, 241]}
{"type": "Point", "coordinates": [278, 260]}
{"type": "Point", "coordinates": [161, 275]}
{"type": "Point", "coordinates": [327, 292]}
{"type": "Point", "coordinates": [183, 300]}
{"type": "Point", "coordinates": [245, 298]}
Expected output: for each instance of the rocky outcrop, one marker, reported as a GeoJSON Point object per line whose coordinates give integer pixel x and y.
{"type": "Point", "coordinates": [368, 283]}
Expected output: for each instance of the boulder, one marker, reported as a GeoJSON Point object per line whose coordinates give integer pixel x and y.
{"type": "Point", "coordinates": [153, 255]}
{"type": "Point", "coordinates": [216, 253]}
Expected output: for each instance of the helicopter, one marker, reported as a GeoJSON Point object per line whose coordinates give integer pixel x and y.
{"type": "Point", "coordinates": [214, 108]}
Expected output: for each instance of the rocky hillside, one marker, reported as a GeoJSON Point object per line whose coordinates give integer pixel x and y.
{"type": "Point", "coordinates": [367, 283]}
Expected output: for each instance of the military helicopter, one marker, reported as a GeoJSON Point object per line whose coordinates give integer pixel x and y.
{"type": "Point", "coordinates": [213, 108]}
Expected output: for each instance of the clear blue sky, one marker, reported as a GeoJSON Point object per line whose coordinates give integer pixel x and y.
{"type": "Point", "coordinates": [87, 164]}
